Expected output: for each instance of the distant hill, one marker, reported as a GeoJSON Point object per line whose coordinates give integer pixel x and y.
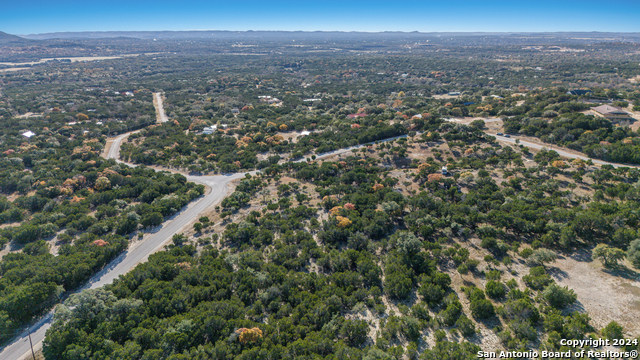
{"type": "Point", "coordinates": [8, 40]}
{"type": "Point", "coordinates": [228, 35]}
{"type": "Point", "coordinates": [561, 37]}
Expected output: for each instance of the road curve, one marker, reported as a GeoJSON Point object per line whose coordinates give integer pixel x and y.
{"type": "Point", "coordinates": [218, 185]}
{"type": "Point", "coordinates": [20, 349]}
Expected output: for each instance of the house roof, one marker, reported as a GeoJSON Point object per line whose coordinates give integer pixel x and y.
{"type": "Point", "coordinates": [608, 109]}
{"type": "Point", "coordinates": [28, 134]}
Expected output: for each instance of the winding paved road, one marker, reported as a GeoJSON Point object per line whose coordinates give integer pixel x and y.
{"type": "Point", "coordinates": [218, 185]}
{"type": "Point", "coordinates": [560, 151]}
{"type": "Point", "coordinates": [217, 189]}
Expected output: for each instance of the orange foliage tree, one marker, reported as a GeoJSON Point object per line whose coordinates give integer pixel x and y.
{"type": "Point", "coordinates": [249, 335]}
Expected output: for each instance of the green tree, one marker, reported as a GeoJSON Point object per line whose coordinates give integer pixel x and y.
{"type": "Point", "coordinates": [482, 309]}
{"type": "Point", "coordinates": [407, 243]}
{"type": "Point", "coordinates": [354, 332]}
{"type": "Point", "coordinates": [103, 183]}
{"type": "Point", "coordinates": [179, 239]}
{"type": "Point", "coordinates": [466, 326]}
{"type": "Point", "coordinates": [495, 289]}
{"type": "Point", "coordinates": [633, 253]}
{"type": "Point", "coordinates": [446, 350]}
{"type": "Point", "coordinates": [613, 331]}
{"type": "Point", "coordinates": [541, 256]}
{"type": "Point", "coordinates": [559, 297]}
{"type": "Point", "coordinates": [398, 280]}
{"type": "Point", "coordinates": [152, 219]}
{"type": "Point", "coordinates": [609, 256]}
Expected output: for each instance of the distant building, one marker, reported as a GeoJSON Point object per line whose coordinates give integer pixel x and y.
{"type": "Point", "coordinates": [235, 110]}
{"type": "Point", "coordinates": [578, 92]}
{"type": "Point", "coordinates": [209, 130]}
{"type": "Point", "coordinates": [270, 100]}
{"type": "Point", "coordinates": [615, 114]}
{"type": "Point", "coordinates": [28, 134]}
{"type": "Point", "coordinates": [454, 93]}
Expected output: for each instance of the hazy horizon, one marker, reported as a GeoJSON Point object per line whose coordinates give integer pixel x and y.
{"type": "Point", "coordinates": [333, 31]}
{"type": "Point", "coordinates": [39, 16]}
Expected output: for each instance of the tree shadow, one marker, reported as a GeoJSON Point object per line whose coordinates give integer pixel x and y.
{"type": "Point", "coordinates": [557, 273]}
{"type": "Point", "coordinates": [581, 255]}
{"type": "Point", "coordinates": [154, 229]}
{"type": "Point", "coordinates": [15, 246]}
{"type": "Point", "coordinates": [401, 162]}
{"type": "Point", "coordinates": [624, 272]}
{"type": "Point", "coordinates": [491, 322]}
{"type": "Point", "coordinates": [468, 283]}
{"type": "Point", "coordinates": [577, 306]}
{"type": "Point", "coordinates": [105, 270]}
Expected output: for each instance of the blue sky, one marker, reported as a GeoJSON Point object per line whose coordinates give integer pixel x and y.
{"type": "Point", "coordinates": [38, 16]}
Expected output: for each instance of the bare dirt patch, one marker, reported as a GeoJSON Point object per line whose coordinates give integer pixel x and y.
{"type": "Point", "coordinates": [15, 69]}
{"type": "Point", "coordinates": [606, 296]}
{"type": "Point", "coordinates": [28, 115]}
{"type": "Point", "coordinates": [72, 59]}
{"type": "Point", "coordinates": [445, 96]}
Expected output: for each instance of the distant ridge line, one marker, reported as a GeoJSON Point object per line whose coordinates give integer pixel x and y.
{"type": "Point", "coordinates": [230, 34]}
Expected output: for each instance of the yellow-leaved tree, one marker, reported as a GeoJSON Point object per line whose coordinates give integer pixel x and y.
{"type": "Point", "coordinates": [249, 335]}
{"type": "Point", "coordinates": [343, 221]}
